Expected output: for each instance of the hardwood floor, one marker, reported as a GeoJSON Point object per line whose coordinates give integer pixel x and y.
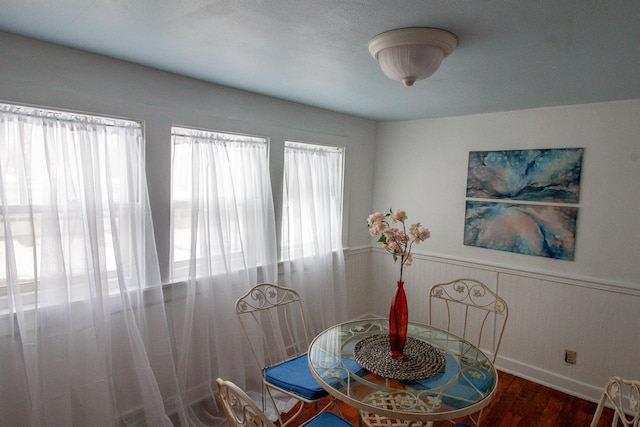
{"type": "Point", "coordinates": [518, 403]}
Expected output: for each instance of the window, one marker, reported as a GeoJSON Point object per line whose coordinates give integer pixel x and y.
{"type": "Point", "coordinates": [222, 206]}
{"type": "Point", "coordinates": [69, 182]}
{"type": "Point", "coordinates": [312, 200]}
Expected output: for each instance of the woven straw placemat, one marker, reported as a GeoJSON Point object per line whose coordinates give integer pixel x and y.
{"type": "Point", "coordinates": [421, 360]}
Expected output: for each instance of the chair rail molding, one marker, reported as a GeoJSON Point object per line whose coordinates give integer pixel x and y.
{"type": "Point", "coordinates": [609, 286]}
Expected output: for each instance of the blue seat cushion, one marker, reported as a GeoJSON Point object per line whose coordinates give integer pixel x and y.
{"type": "Point", "coordinates": [327, 419]}
{"type": "Point", "coordinates": [459, 390]}
{"type": "Point", "coordinates": [294, 376]}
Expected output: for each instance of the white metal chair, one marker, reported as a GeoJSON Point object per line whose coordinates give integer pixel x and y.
{"type": "Point", "coordinates": [624, 397]}
{"type": "Point", "coordinates": [469, 309]}
{"type": "Point", "coordinates": [274, 323]}
{"type": "Point", "coordinates": [242, 411]}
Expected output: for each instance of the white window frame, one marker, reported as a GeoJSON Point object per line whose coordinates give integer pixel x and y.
{"type": "Point", "coordinates": [179, 269]}
{"type": "Point", "coordinates": [27, 285]}
{"type": "Point", "coordinates": [339, 201]}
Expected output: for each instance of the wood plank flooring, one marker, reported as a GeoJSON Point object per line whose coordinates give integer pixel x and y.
{"type": "Point", "coordinates": [518, 403]}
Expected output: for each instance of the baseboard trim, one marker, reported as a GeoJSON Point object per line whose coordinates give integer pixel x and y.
{"type": "Point", "coordinates": [549, 379]}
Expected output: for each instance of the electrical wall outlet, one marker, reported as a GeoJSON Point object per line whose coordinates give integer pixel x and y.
{"type": "Point", "coordinates": [570, 356]}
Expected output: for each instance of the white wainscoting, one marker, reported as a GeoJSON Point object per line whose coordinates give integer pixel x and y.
{"type": "Point", "coordinates": [547, 315]}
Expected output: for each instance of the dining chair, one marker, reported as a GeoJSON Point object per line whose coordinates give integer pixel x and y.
{"type": "Point", "coordinates": [468, 309]}
{"type": "Point", "coordinates": [274, 324]}
{"type": "Point", "coordinates": [624, 397]}
{"type": "Point", "coordinates": [242, 411]}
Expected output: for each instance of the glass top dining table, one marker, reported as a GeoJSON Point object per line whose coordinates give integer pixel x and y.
{"type": "Point", "coordinates": [463, 382]}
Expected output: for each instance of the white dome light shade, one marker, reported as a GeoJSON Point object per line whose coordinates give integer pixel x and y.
{"type": "Point", "coordinates": [410, 63]}
{"type": "Point", "coordinates": [412, 54]}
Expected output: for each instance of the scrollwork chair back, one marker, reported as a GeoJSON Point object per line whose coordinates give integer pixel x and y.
{"type": "Point", "coordinates": [239, 408]}
{"type": "Point", "coordinates": [624, 397]}
{"type": "Point", "coordinates": [468, 308]}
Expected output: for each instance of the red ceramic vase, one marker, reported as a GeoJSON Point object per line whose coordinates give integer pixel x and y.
{"type": "Point", "coordinates": [398, 320]}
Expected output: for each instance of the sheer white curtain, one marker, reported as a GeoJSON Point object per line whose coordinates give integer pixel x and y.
{"type": "Point", "coordinates": [223, 243]}
{"type": "Point", "coordinates": [312, 231]}
{"type": "Point", "coordinates": [83, 335]}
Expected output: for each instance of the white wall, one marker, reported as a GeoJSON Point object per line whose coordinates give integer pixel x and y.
{"type": "Point", "coordinates": [591, 304]}
{"type": "Point", "coordinates": [422, 168]}
{"type": "Point", "coordinates": [43, 74]}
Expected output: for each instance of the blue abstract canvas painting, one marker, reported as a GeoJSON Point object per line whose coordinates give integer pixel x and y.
{"type": "Point", "coordinates": [540, 230]}
{"type": "Point", "coordinates": [544, 175]}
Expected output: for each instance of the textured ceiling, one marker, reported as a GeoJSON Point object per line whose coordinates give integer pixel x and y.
{"type": "Point", "coordinates": [512, 54]}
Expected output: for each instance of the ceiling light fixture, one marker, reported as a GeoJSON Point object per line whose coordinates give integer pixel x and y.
{"type": "Point", "coordinates": [411, 54]}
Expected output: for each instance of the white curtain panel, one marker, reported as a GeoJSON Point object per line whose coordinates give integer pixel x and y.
{"type": "Point", "coordinates": [84, 338]}
{"type": "Point", "coordinates": [312, 251]}
{"type": "Point", "coordinates": [223, 243]}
